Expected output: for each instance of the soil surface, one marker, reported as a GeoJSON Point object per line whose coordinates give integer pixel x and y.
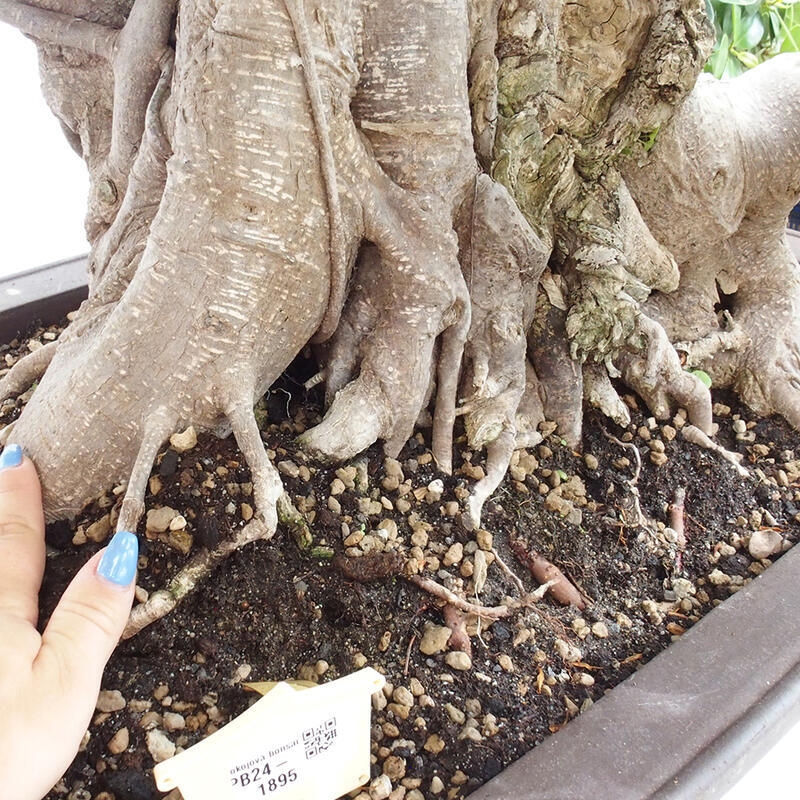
{"type": "Point", "coordinates": [453, 716]}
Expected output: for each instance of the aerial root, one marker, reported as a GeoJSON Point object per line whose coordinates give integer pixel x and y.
{"type": "Point", "coordinates": [599, 393]}
{"type": "Point", "coordinates": [53, 27]}
{"type": "Point", "coordinates": [453, 340]}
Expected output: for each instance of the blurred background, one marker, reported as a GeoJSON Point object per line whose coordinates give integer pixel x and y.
{"type": "Point", "coordinates": [43, 183]}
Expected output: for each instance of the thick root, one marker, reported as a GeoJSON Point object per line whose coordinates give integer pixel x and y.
{"type": "Point", "coordinates": [27, 371]}
{"type": "Point", "coordinates": [659, 378]}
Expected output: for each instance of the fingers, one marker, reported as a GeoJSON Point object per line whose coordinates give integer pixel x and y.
{"type": "Point", "coordinates": [89, 619]}
{"type": "Point", "coordinates": [21, 536]}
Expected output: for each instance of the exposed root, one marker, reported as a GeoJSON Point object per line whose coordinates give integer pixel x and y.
{"type": "Point", "coordinates": [437, 590]}
{"type": "Point", "coordinates": [546, 573]}
{"type": "Point", "coordinates": [27, 370]}
{"type": "Point", "coordinates": [482, 612]}
{"type": "Point", "coordinates": [498, 457]}
{"type": "Point", "coordinates": [53, 27]}
{"type": "Point", "coordinates": [696, 436]}
{"type": "Point", "coordinates": [159, 427]}
{"type": "Point", "coordinates": [598, 392]}
{"type": "Point", "coordinates": [161, 602]}
{"type": "Point", "coordinates": [699, 353]}
{"type": "Point", "coordinates": [658, 376]}
{"type": "Point", "coordinates": [338, 247]}
{"type": "Point", "coordinates": [676, 522]}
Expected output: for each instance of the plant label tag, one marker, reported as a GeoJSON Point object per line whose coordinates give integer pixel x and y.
{"type": "Point", "coordinates": [290, 745]}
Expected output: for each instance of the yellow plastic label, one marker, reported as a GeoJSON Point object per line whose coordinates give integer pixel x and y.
{"type": "Point", "coordinates": [312, 744]}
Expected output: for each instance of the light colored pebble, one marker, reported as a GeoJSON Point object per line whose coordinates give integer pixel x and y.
{"type": "Point", "coordinates": [568, 652]}
{"type": "Point", "coordinates": [380, 788]}
{"type": "Point", "coordinates": [110, 700]}
{"type": "Point", "coordinates": [185, 440]}
{"type": "Point", "coordinates": [454, 554]}
{"type": "Point", "coordinates": [119, 742]}
{"type": "Point", "coordinates": [159, 745]}
{"type": "Point", "coordinates": [455, 714]}
{"type": "Point", "coordinates": [158, 519]}
{"type": "Point", "coordinates": [600, 630]}
{"type": "Point", "coordinates": [173, 721]}
{"type": "Point", "coordinates": [394, 767]}
{"type": "Point", "coordinates": [456, 659]}
{"type": "Point", "coordinates": [403, 696]}
{"type": "Point", "coordinates": [434, 744]}
{"type": "Point", "coordinates": [765, 543]}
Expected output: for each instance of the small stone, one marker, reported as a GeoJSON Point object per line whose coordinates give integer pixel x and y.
{"type": "Point", "coordinates": [434, 492]}
{"type": "Point", "coordinates": [98, 531]}
{"type": "Point", "coordinates": [159, 746]}
{"type": "Point", "coordinates": [484, 539]}
{"type": "Point", "coordinates": [183, 441]}
{"type": "Point", "coordinates": [337, 487]}
{"type": "Point", "coordinates": [288, 468]}
{"type": "Point", "coordinates": [719, 578]}
{"type": "Point", "coordinates": [158, 519]}
{"type": "Point", "coordinates": [434, 744]}
{"type": "Point", "coordinates": [455, 714]}
{"type": "Point", "coordinates": [454, 554]}
{"type": "Point", "coordinates": [403, 696]}
{"type": "Point", "coordinates": [765, 543]}
{"type": "Point", "coordinates": [739, 426]}
{"type": "Point", "coordinates": [434, 639]}
{"type": "Point", "coordinates": [246, 510]}
{"type": "Point", "coordinates": [380, 788]}
{"type": "Point", "coordinates": [180, 540]}
{"type": "Point", "coordinates": [505, 662]}
{"type": "Point", "coordinates": [568, 652]}
{"type": "Point", "coordinates": [600, 630]}
{"type": "Point", "coordinates": [394, 767]}
{"type": "Point", "coordinates": [173, 721]}
{"type": "Point", "coordinates": [177, 523]}
{"type": "Point", "coordinates": [456, 659]}
{"type": "Point", "coordinates": [659, 459]}
{"type": "Point", "coordinates": [110, 700]}
{"type": "Point", "coordinates": [119, 742]}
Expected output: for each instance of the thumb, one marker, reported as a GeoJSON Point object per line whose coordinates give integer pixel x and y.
{"type": "Point", "coordinates": [88, 620]}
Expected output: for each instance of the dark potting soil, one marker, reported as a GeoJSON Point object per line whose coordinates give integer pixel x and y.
{"type": "Point", "coordinates": [275, 610]}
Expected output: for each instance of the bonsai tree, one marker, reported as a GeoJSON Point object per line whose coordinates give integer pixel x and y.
{"type": "Point", "coordinates": [392, 183]}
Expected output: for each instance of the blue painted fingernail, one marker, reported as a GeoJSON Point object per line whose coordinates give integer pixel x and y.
{"type": "Point", "coordinates": [11, 456]}
{"type": "Point", "coordinates": [120, 559]}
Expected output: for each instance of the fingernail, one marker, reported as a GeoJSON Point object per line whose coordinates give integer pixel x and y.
{"type": "Point", "coordinates": [120, 559]}
{"type": "Point", "coordinates": [11, 456]}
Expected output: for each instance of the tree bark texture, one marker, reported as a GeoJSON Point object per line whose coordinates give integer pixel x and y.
{"type": "Point", "coordinates": [395, 182]}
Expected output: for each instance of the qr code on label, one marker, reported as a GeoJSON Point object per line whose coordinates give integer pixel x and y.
{"type": "Point", "coordinates": [319, 738]}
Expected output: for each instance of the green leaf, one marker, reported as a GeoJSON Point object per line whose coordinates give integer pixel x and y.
{"type": "Point", "coordinates": [719, 58]}
{"type": "Point", "coordinates": [703, 377]}
{"type": "Point", "coordinates": [751, 31]}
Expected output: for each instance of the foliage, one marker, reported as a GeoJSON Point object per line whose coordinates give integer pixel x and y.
{"type": "Point", "coordinates": [751, 32]}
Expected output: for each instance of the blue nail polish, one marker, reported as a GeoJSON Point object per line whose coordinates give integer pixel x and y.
{"type": "Point", "coordinates": [11, 456]}
{"type": "Point", "coordinates": [119, 561]}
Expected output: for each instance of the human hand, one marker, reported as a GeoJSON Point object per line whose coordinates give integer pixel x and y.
{"type": "Point", "coordinates": [49, 682]}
